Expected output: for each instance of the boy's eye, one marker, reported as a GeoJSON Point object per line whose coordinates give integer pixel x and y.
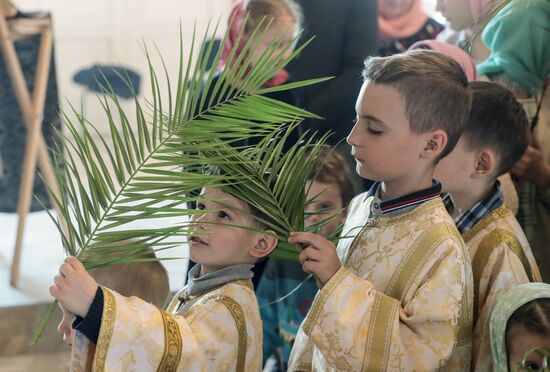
{"type": "Point", "coordinates": [222, 214]}
{"type": "Point", "coordinates": [532, 366]}
{"type": "Point", "coordinates": [374, 132]}
{"type": "Point", "coordinates": [200, 206]}
{"type": "Point", "coordinates": [323, 207]}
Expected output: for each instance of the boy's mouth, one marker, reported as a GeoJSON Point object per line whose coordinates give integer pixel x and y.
{"type": "Point", "coordinates": [196, 239]}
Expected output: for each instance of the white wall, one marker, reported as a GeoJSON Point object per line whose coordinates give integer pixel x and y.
{"type": "Point", "coordinates": [112, 32]}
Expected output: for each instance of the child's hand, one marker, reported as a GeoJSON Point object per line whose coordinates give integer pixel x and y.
{"type": "Point", "coordinates": [74, 287]}
{"type": "Point", "coordinates": [531, 167]}
{"type": "Point", "coordinates": [318, 257]}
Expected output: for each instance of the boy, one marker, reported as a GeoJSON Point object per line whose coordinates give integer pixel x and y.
{"type": "Point", "coordinates": [213, 324]}
{"type": "Point", "coordinates": [397, 291]}
{"type": "Point", "coordinates": [146, 280]}
{"type": "Point", "coordinates": [493, 140]}
{"type": "Point", "coordinates": [332, 190]}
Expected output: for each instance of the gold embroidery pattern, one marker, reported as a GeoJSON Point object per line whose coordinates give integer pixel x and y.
{"type": "Point", "coordinates": [381, 328]}
{"type": "Point", "coordinates": [172, 344]}
{"type": "Point", "coordinates": [484, 251]}
{"type": "Point", "coordinates": [325, 292]}
{"type": "Point", "coordinates": [412, 263]}
{"type": "Point", "coordinates": [238, 315]}
{"type": "Point", "coordinates": [501, 212]}
{"type": "Point", "coordinates": [422, 209]}
{"type": "Point", "coordinates": [106, 329]}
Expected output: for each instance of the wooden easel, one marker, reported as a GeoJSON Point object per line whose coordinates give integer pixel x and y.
{"type": "Point", "coordinates": [32, 108]}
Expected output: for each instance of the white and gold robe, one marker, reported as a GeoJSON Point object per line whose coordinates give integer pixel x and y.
{"type": "Point", "coordinates": [402, 299]}
{"type": "Point", "coordinates": [217, 331]}
{"type": "Point", "coordinates": [501, 259]}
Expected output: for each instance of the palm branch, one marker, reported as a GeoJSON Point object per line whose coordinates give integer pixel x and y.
{"type": "Point", "coordinates": [154, 160]}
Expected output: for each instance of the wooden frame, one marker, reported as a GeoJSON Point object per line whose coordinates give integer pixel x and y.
{"type": "Point", "coordinates": [32, 108]}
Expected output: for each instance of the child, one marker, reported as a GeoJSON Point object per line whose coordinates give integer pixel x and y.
{"type": "Point", "coordinates": [332, 188]}
{"type": "Point", "coordinates": [397, 291]}
{"type": "Point", "coordinates": [494, 139]}
{"type": "Point", "coordinates": [520, 322]}
{"type": "Point", "coordinates": [519, 59]}
{"type": "Point", "coordinates": [213, 324]}
{"type": "Point", "coordinates": [146, 280]}
{"type": "Point", "coordinates": [402, 23]}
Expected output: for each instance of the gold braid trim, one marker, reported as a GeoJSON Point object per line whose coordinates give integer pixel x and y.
{"type": "Point", "coordinates": [486, 248]}
{"type": "Point", "coordinates": [498, 213]}
{"type": "Point", "coordinates": [384, 311]}
{"type": "Point", "coordinates": [238, 315]}
{"type": "Point", "coordinates": [172, 344]}
{"type": "Point", "coordinates": [322, 297]}
{"type": "Point", "coordinates": [106, 329]}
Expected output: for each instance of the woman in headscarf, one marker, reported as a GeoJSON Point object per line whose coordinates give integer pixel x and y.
{"type": "Point", "coordinates": [401, 23]}
{"type": "Point", "coordinates": [463, 58]}
{"type": "Point", "coordinates": [519, 39]}
{"type": "Point", "coordinates": [520, 322]}
{"type": "Point", "coordinates": [463, 18]}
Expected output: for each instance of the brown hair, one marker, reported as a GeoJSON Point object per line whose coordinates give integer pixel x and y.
{"type": "Point", "coordinates": [259, 10]}
{"type": "Point", "coordinates": [146, 280]}
{"type": "Point", "coordinates": [497, 121]}
{"type": "Point", "coordinates": [331, 168]}
{"type": "Point", "coordinates": [534, 317]}
{"type": "Point", "coordinates": [433, 86]}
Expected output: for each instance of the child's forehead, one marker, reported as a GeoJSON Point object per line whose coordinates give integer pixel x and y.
{"type": "Point", "coordinates": [219, 196]}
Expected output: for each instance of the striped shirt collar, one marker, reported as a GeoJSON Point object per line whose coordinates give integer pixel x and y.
{"type": "Point", "coordinates": [468, 219]}
{"type": "Point", "coordinates": [402, 204]}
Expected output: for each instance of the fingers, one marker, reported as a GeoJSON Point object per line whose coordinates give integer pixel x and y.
{"type": "Point", "coordinates": [311, 254]}
{"type": "Point", "coordinates": [66, 269]}
{"type": "Point", "coordinates": [309, 239]}
{"type": "Point", "coordinates": [74, 263]}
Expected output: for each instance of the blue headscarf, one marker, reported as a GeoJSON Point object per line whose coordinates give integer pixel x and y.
{"type": "Point", "coordinates": [519, 39]}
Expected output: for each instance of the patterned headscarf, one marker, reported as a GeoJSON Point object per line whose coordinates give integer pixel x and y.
{"type": "Point", "coordinates": [503, 310]}
{"type": "Point", "coordinates": [236, 22]}
{"type": "Point", "coordinates": [463, 58]}
{"type": "Point", "coordinates": [519, 39]}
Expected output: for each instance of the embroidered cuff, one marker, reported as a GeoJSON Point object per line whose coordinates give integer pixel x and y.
{"type": "Point", "coordinates": [90, 325]}
{"type": "Point", "coordinates": [322, 297]}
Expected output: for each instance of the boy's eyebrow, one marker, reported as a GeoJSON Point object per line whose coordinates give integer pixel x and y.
{"type": "Point", "coordinates": [373, 118]}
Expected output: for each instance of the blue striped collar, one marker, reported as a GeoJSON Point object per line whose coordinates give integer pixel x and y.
{"type": "Point", "coordinates": [402, 204]}
{"type": "Point", "coordinates": [468, 219]}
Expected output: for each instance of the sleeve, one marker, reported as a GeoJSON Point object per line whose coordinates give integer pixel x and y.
{"type": "Point", "coordinates": [301, 356]}
{"type": "Point", "coordinates": [268, 312]}
{"type": "Point", "coordinates": [134, 333]}
{"type": "Point", "coordinates": [336, 101]}
{"type": "Point", "coordinates": [355, 327]}
{"type": "Point", "coordinates": [502, 271]}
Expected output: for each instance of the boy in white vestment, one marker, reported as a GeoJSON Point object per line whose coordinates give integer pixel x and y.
{"type": "Point", "coordinates": [493, 140]}
{"type": "Point", "coordinates": [397, 291]}
{"type": "Point", "coordinates": [213, 324]}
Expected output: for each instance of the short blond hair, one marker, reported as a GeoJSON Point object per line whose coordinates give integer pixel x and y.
{"type": "Point", "coordinates": [146, 280]}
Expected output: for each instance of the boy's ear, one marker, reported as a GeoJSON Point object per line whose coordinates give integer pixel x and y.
{"type": "Point", "coordinates": [486, 163]}
{"type": "Point", "coordinates": [435, 143]}
{"type": "Point", "coordinates": [264, 245]}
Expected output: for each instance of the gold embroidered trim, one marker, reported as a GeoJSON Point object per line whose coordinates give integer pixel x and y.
{"type": "Point", "coordinates": [414, 260]}
{"type": "Point", "coordinates": [106, 330]}
{"type": "Point", "coordinates": [321, 298]}
{"type": "Point", "coordinates": [238, 315]}
{"type": "Point", "coordinates": [498, 213]}
{"type": "Point", "coordinates": [486, 247]}
{"type": "Point", "coordinates": [422, 209]}
{"type": "Point", "coordinates": [377, 348]}
{"type": "Point", "coordinates": [172, 344]}
{"type": "Point", "coordinates": [247, 283]}
{"type": "Point", "coordinates": [302, 367]}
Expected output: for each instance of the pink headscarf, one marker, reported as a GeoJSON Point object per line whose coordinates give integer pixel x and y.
{"type": "Point", "coordinates": [404, 25]}
{"type": "Point", "coordinates": [236, 22]}
{"type": "Point", "coordinates": [463, 58]}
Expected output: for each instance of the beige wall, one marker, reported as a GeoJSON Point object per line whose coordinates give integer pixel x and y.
{"type": "Point", "coordinates": [112, 32]}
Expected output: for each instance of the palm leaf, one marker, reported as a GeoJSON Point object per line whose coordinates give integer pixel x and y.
{"type": "Point", "coordinates": [137, 173]}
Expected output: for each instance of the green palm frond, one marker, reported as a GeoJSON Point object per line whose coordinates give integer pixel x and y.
{"type": "Point", "coordinates": [154, 159]}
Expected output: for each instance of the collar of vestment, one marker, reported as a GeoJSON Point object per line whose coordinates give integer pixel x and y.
{"type": "Point", "coordinates": [403, 204]}
{"type": "Point", "coordinates": [479, 211]}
